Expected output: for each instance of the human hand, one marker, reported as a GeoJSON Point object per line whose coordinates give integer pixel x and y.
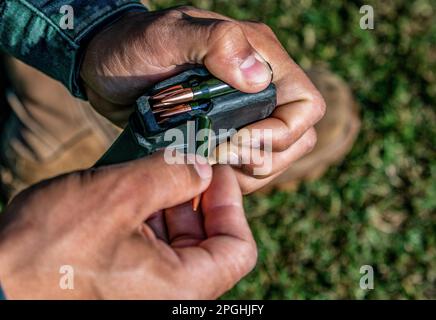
{"type": "Point", "coordinates": [93, 221]}
{"type": "Point", "coordinates": [143, 48]}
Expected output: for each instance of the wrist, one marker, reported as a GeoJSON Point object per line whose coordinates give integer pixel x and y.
{"type": "Point", "coordinates": [109, 65]}
{"type": "Point", "coordinates": [93, 33]}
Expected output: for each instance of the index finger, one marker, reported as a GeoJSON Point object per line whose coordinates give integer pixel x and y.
{"type": "Point", "coordinates": [299, 104]}
{"type": "Point", "coordinates": [229, 252]}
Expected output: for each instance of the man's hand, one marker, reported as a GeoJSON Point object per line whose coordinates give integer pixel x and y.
{"type": "Point", "coordinates": [93, 221]}
{"type": "Point", "coordinates": [143, 48]}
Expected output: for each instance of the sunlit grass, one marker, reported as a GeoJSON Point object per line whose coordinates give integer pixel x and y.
{"type": "Point", "coordinates": [378, 207]}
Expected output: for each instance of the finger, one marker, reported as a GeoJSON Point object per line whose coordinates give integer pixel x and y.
{"type": "Point", "coordinates": [185, 227]}
{"type": "Point", "coordinates": [262, 162]}
{"type": "Point", "coordinates": [220, 45]}
{"type": "Point", "coordinates": [286, 125]}
{"type": "Point", "coordinates": [300, 105]}
{"type": "Point", "coordinates": [257, 174]}
{"type": "Point", "coordinates": [266, 43]}
{"type": "Point", "coordinates": [248, 184]}
{"type": "Point", "coordinates": [157, 224]}
{"type": "Point", "coordinates": [202, 13]}
{"type": "Point", "coordinates": [279, 132]}
{"type": "Point", "coordinates": [136, 189]}
{"type": "Point", "coordinates": [229, 252]}
{"type": "Point", "coordinates": [223, 193]}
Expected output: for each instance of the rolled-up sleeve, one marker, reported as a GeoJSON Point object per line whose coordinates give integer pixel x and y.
{"type": "Point", "coordinates": [35, 32]}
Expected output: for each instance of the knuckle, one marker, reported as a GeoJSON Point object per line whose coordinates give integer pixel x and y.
{"type": "Point", "coordinates": [310, 139]}
{"type": "Point", "coordinates": [236, 268]}
{"type": "Point", "coordinates": [172, 14]}
{"type": "Point", "coordinates": [85, 177]}
{"type": "Point", "coordinates": [225, 33]}
{"type": "Point", "coordinates": [257, 172]}
{"type": "Point", "coordinates": [319, 105]}
{"type": "Point", "coordinates": [287, 139]}
{"type": "Point", "coordinates": [247, 189]}
{"type": "Point", "coordinates": [264, 28]}
{"type": "Point", "coordinates": [187, 8]}
{"type": "Point", "coordinates": [247, 259]}
{"type": "Point", "coordinates": [228, 27]}
{"type": "Point", "coordinates": [249, 185]}
{"type": "Point", "coordinates": [251, 254]}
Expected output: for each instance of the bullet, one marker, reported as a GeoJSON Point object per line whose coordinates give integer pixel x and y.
{"type": "Point", "coordinates": [168, 91]}
{"type": "Point", "coordinates": [203, 125]}
{"type": "Point", "coordinates": [155, 111]}
{"type": "Point", "coordinates": [160, 105]}
{"type": "Point", "coordinates": [182, 96]}
{"type": "Point", "coordinates": [175, 110]}
{"type": "Point", "coordinates": [182, 108]}
{"type": "Point", "coordinates": [192, 91]}
{"type": "Point", "coordinates": [196, 202]}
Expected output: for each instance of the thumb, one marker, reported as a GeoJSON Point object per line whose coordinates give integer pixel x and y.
{"type": "Point", "coordinates": [137, 189]}
{"type": "Point", "coordinates": [231, 58]}
{"type": "Point", "coordinates": [220, 45]}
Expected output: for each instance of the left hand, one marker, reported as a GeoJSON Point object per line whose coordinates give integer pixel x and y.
{"type": "Point", "coordinates": [90, 224]}
{"type": "Point", "coordinates": [143, 48]}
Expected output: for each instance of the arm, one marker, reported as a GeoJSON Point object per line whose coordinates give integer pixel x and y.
{"type": "Point", "coordinates": [31, 31]}
{"type": "Point", "coordinates": [93, 223]}
{"type": "Point", "coordinates": [141, 49]}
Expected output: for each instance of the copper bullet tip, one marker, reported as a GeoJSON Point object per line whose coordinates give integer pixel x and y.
{"type": "Point", "coordinates": [196, 202]}
{"type": "Point", "coordinates": [184, 95]}
{"type": "Point", "coordinates": [168, 91]}
{"type": "Point", "coordinates": [160, 105]}
{"type": "Point", "coordinates": [156, 111]}
{"type": "Point", "coordinates": [175, 110]}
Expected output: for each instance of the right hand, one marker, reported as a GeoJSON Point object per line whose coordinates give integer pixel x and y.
{"type": "Point", "coordinates": [123, 60]}
{"type": "Point", "coordinates": [143, 48]}
{"type": "Point", "coordinates": [93, 221]}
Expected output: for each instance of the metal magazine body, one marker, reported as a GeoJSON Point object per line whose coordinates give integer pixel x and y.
{"type": "Point", "coordinates": [146, 133]}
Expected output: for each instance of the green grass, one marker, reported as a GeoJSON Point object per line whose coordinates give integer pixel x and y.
{"type": "Point", "coordinates": [378, 207]}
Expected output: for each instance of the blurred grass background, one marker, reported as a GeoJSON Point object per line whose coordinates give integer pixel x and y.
{"type": "Point", "coordinates": [377, 207]}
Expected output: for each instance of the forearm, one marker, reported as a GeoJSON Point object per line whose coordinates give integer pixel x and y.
{"type": "Point", "coordinates": [31, 31]}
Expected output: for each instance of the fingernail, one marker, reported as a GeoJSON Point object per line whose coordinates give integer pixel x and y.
{"type": "Point", "coordinates": [203, 169]}
{"type": "Point", "coordinates": [255, 69]}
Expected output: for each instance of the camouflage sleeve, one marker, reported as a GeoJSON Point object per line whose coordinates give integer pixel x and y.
{"type": "Point", "coordinates": [50, 34]}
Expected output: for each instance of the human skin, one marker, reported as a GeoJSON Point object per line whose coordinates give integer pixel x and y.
{"type": "Point", "coordinates": [93, 221]}
{"type": "Point", "coordinates": [142, 48]}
